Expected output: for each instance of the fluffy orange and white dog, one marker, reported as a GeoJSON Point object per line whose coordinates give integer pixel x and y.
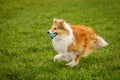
{"type": "Point", "coordinates": [73, 41]}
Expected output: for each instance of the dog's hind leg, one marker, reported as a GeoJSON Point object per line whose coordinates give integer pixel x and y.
{"type": "Point", "coordinates": [74, 62]}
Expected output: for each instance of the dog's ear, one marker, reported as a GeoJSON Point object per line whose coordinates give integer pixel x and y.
{"type": "Point", "coordinates": [55, 20]}
{"type": "Point", "coordinates": [61, 21]}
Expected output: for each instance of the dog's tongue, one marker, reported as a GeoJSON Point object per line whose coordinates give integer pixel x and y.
{"type": "Point", "coordinates": [52, 35]}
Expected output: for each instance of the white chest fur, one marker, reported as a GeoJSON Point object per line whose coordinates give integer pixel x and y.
{"type": "Point", "coordinates": [61, 44]}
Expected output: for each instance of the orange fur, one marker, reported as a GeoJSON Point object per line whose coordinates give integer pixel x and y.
{"type": "Point", "coordinates": [84, 37]}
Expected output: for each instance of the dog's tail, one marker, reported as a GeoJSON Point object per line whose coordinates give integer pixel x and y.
{"type": "Point", "coordinates": [99, 43]}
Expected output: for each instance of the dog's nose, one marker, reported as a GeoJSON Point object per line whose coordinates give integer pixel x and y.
{"type": "Point", "coordinates": [48, 32]}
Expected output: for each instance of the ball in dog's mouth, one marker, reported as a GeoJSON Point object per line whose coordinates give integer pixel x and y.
{"type": "Point", "coordinates": [52, 35]}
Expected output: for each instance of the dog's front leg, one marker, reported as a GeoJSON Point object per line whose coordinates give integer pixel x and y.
{"type": "Point", "coordinates": [58, 57]}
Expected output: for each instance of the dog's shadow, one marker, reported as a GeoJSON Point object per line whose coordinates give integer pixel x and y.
{"type": "Point", "coordinates": [62, 65]}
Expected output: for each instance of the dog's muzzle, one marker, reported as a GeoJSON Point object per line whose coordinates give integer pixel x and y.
{"type": "Point", "coordinates": [52, 35]}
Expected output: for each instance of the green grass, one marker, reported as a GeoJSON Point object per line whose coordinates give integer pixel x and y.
{"type": "Point", "coordinates": [26, 52]}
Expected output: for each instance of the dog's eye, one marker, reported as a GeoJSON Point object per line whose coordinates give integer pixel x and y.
{"type": "Point", "coordinates": [55, 28]}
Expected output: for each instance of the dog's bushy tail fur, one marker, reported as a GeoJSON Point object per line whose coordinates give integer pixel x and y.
{"type": "Point", "coordinates": [99, 43]}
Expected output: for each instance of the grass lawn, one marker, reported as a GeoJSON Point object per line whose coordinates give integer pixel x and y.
{"type": "Point", "coordinates": [26, 52]}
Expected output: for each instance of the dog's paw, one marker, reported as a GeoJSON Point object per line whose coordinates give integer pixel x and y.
{"type": "Point", "coordinates": [57, 60]}
{"type": "Point", "coordinates": [71, 64]}
{"type": "Point", "coordinates": [58, 57]}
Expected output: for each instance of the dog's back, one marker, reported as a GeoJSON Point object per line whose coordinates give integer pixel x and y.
{"type": "Point", "coordinates": [85, 40]}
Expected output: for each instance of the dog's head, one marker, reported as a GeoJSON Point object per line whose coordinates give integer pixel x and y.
{"type": "Point", "coordinates": [58, 28]}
